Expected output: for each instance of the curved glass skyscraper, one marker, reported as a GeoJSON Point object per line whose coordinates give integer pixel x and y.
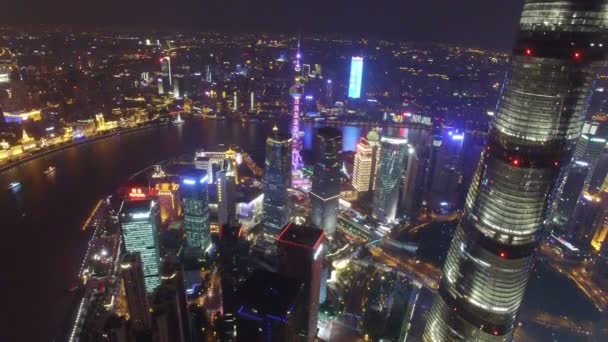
{"type": "Point", "coordinates": [393, 161]}
{"type": "Point", "coordinates": [539, 117]}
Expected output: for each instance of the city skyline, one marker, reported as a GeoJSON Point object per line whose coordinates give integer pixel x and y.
{"type": "Point", "coordinates": [487, 23]}
{"type": "Point", "coordinates": [357, 181]}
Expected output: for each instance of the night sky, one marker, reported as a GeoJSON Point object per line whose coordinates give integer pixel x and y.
{"type": "Point", "coordinates": [485, 23]}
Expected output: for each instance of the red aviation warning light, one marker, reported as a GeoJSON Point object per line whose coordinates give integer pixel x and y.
{"type": "Point", "coordinates": [577, 55]}
{"type": "Point", "coordinates": [515, 162]}
{"type": "Point", "coordinates": [528, 52]}
{"type": "Point", "coordinates": [502, 254]}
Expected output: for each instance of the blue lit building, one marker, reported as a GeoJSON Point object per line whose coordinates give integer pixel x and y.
{"type": "Point", "coordinates": [140, 220]}
{"type": "Point", "coordinates": [196, 208]}
{"type": "Point", "coordinates": [356, 77]}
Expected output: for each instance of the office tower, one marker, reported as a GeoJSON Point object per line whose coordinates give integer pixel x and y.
{"type": "Point", "coordinates": [588, 211]}
{"type": "Point", "coordinates": [430, 156]}
{"type": "Point", "coordinates": [179, 87]}
{"type": "Point", "coordinates": [169, 323]}
{"type": "Point", "coordinates": [140, 219]}
{"type": "Point", "coordinates": [412, 184]}
{"type": "Point", "coordinates": [277, 180]}
{"type": "Point", "coordinates": [600, 226]}
{"type": "Point", "coordinates": [161, 86]}
{"type": "Point", "coordinates": [169, 200]}
{"type": "Point", "coordinates": [366, 162]}
{"type": "Point", "coordinates": [226, 192]}
{"type": "Point", "coordinates": [538, 119]}
{"type": "Point", "coordinates": [235, 102]}
{"type": "Point", "coordinates": [269, 308]}
{"type": "Point", "coordinates": [356, 77]}
{"type": "Point", "coordinates": [131, 269]}
{"type": "Point", "coordinates": [252, 101]}
{"type": "Point", "coordinates": [196, 209]}
{"type": "Point", "coordinates": [165, 69]}
{"type": "Point", "coordinates": [325, 192]}
{"type": "Point", "coordinates": [172, 278]}
{"type": "Point", "coordinates": [568, 194]}
{"type": "Point", "coordinates": [233, 262]}
{"type": "Point", "coordinates": [222, 198]}
{"type": "Point", "coordinates": [589, 148]}
{"type": "Point", "coordinates": [329, 92]}
{"type": "Point", "coordinates": [392, 164]}
{"type": "Point", "coordinates": [301, 256]}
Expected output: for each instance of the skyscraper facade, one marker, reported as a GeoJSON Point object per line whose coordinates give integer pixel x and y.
{"type": "Point", "coordinates": [132, 273]}
{"type": "Point", "coordinates": [366, 162]}
{"type": "Point", "coordinates": [538, 120]}
{"type": "Point", "coordinates": [325, 192]}
{"type": "Point", "coordinates": [393, 160]}
{"type": "Point", "coordinates": [140, 220]}
{"type": "Point", "coordinates": [277, 180]}
{"type": "Point", "coordinates": [356, 77]}
{"type": "Point", "coordinates": [301, 257]}
{"type": "Point", "coordinates": [196, 208]}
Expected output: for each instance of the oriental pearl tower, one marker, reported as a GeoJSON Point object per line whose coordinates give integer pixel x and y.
{"type": "Point", "coordinates": [296, 91]}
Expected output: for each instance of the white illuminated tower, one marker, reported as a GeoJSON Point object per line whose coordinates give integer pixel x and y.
{"type": "Point", "coordinates": [297, 163]}
{"type": "Point", "coordinates": [559, 45]}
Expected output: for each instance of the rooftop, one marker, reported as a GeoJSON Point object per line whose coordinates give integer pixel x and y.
{"type": "Point", "coordinates": [301, 236]}
{"type": "Point", "coordinates": [136, 206]}
{"type": "Point", "coordinates": [329, 133]}
{"type": "Point", "coordinates": [269, 293]}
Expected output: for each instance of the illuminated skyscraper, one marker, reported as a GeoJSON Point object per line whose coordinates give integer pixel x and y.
{"type": "Point", "coordinates": [366, 162]}
{"type": "Point", "coordinates": [277, 180]}
{"type": "Point", "coordinates": [301, 257]}
{"type": "Point", "coordinates": [325, 193]}
{"type": "Point", "coordinates": [196, 208]}
{"type": "Point", "coordinates": [165, 69]}
{"type": "Point", "coordinates": [132, 272]}
{"type": "Point", "coordinates": [356, 77]}
{"type": "Point", "coordinates": [538, 120]}
{"type": "Point", "coordinates": [169, 200]}
{"type": "Point", "coordinates": [392, 164]}
{"type": "Point", "coordinates": [296, 92]}
{"type": "Point", "coordinates": [226, 192]}
{"type": "Point", "coordinates": [140, 220]}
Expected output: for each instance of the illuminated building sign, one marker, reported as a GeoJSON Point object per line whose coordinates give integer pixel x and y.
{"type": "Point", "coordinates": [138, 216]}
{"type": "Point", "coordinates": [356, 76]}
{"type": "Point", "coordinates": [137, 193]}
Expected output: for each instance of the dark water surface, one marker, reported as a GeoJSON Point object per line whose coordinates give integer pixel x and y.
{"type": "Point", "coordinates": [42, 245]}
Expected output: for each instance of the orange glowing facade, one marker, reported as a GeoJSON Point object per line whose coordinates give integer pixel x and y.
{"type": "Point", "coordinates": [169, 201]}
